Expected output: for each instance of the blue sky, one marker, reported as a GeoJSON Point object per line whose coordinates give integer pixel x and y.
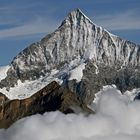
{"type": "Point", "coordinates": [23, 22]}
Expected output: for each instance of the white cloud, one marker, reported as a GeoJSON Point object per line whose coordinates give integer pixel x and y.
{"type": "Point", "coordinates": [24, 20]}
{"type": "Point", "coordinates": [128, 20]}
{"type": "Point", "coordinates": [117, 118]}
{"type": "Point", "coordinates": [36, 26]}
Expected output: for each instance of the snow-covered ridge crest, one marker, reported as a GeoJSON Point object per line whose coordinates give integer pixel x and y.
{"type": "Point", "coordinates": [75, 16]}
{"type": "Point", "coordinates": [77, 38]}
{"type": "Point", "coordinates": [76, 42]}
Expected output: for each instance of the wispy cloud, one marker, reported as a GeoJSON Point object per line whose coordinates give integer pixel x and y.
{"type": "Point", "coordinates": [24, 20]}
{"type": "Point", "coordinates": [36, 26]}
{"type": "Point", "coordinates": [128, 20]}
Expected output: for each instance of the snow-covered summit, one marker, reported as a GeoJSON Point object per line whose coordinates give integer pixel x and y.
{"type": "Point", "coordinates": [75, 17]}
{"type": "Point", "coordinates": [77, 38]}
{"type": "Point", "coordinates": [76, 42]}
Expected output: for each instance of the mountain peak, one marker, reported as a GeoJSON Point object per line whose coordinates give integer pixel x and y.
{"type": "Point", "coordinates": [77, 10]}
{"type": "Point", "coordinates": [75, 17]}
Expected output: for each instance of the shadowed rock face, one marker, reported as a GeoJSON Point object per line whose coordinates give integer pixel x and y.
{"type": "Point", "coordinates": [126, 78]}
{"type": "Point", "coordinates": [51, 98]}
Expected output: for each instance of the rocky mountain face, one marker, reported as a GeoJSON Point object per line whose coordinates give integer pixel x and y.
{"type": "Point", "coordinates": [51, 98]}
{"type": "Point", "coordinates": [108, 59]}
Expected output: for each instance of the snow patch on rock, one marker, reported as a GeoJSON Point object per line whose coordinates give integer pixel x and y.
{"type": "Point", "coordinates": [3, 71]}
{"type": "Point", "coordinates": [28, 88]}
{"type": "Point", "coordinates": [77, 73]}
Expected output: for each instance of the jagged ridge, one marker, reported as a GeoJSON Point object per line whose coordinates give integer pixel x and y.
{"type": "Point", "coordinates": [78, 39]}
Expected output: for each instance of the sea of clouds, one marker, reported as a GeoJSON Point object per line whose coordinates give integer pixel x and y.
{"type": "Point", "coordinates": [116, 118]}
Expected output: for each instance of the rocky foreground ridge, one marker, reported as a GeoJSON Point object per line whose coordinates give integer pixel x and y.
{"type": "Point", "coordinates": [53, 97]}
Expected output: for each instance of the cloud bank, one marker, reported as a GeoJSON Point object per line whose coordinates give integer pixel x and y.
{"type": "Point", "coordinates": [117, 118]}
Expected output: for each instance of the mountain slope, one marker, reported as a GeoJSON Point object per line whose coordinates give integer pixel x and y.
{"type": "Point", "coordinates": [106, 59]}
{"type": "Point", "coordinates": [51, 98]}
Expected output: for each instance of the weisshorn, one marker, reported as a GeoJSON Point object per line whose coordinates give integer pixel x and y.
{"type": "Point", "coordinates": [80, 56]}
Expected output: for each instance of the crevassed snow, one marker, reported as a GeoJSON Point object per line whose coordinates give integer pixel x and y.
{"type": "Point", "coordinates": [3, 71]}
{"type": "Point", "coordinates": [28, 88]}
{"type": "Point", "coordinates": [77, 73]}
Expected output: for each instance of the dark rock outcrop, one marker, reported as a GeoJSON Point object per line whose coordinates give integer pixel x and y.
{"type": "Point", "coordinates": [51, 98]}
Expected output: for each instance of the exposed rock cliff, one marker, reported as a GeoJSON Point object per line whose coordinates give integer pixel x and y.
{"type": "Point", "coordinates": [51, 98]}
